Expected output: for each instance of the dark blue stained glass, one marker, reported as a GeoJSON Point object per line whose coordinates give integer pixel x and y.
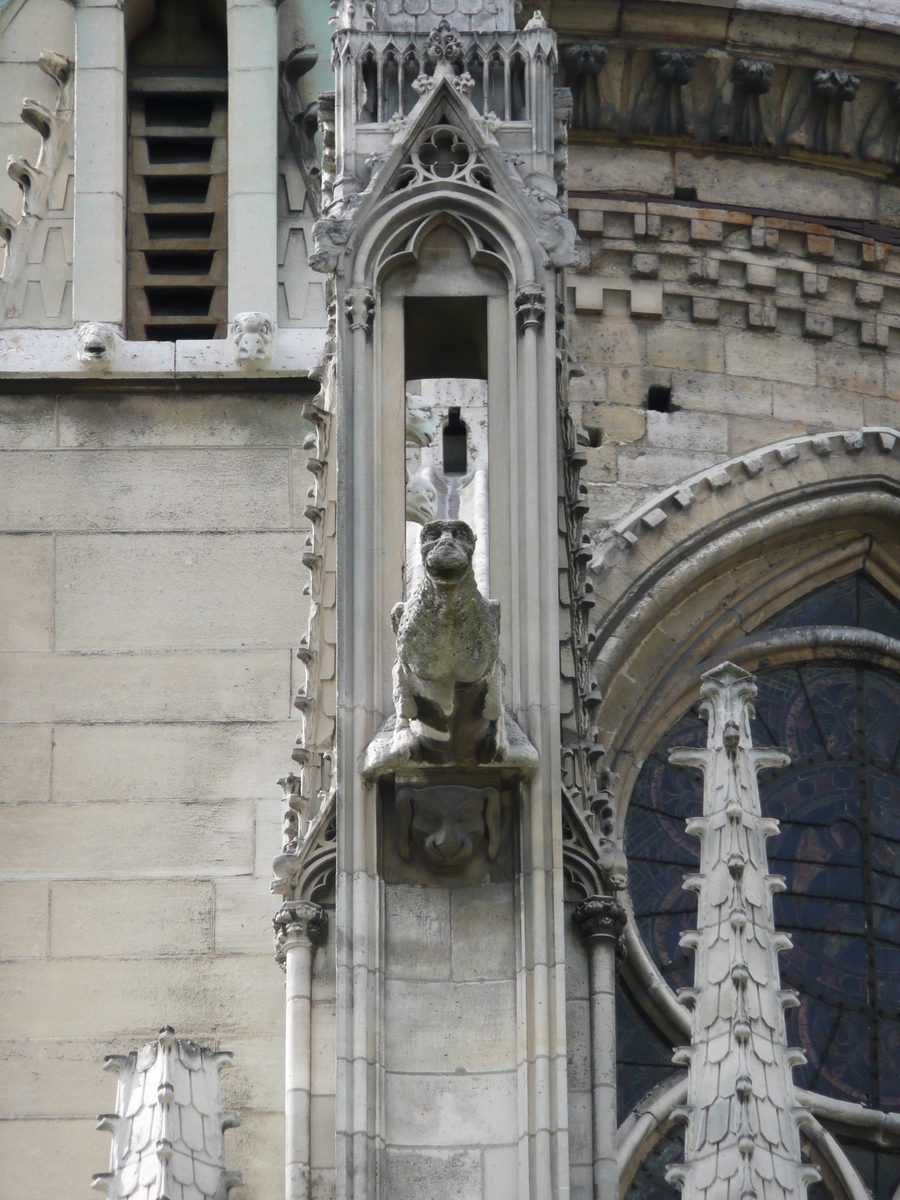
{"type": "Point", "coordinates": [877, 610]}
{"type": "Point", "coordinates": [644, 1057]}
{"type": "Point", "coordinates": [650, 1182]}
{"type": "Point", "coordinates": [835, 604]}
{"type": "Point", "coordinates": [854, 600]}
{"type": "Point", "coordinates": [879, 1168]}
{"type": "Point", "coordinates": [838, 805]}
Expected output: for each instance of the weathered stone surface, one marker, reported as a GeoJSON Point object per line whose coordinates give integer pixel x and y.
{"type": "Point", "coordinates": [484, 923]}
{"type": "Point", "coordinates": [166, 762]}
{"type": "Point", "coordinates": [443, 1174]}
{"type": "Point", "coordinates": [180, 686]}
{"type": "Point", "coordinates": [417, 932]}
{"type": "Point", "coordinates": [159, 489]}
{"type": "Point", "coordinates": [226, 420]}
{"type": "Point", "coordinates": [446, 1027]}
{"type": "Point", "coordinates": [25, 757]}
{"type": "Point", "coordinates": [480, 1109]}
{"type": "Point", "coordinates": [244, 908]}
{"type": "Point", "coordinates": [141, 919]}
{"type": "Point", "coordinates": [76, 998]}
{"type": "Point", "coordinates": [26, 592]}
{"type": "Point", "coordinates": [24, 918]}
{"type": "Point", "coordinates": [63, 1154]}
{"type": "Point", "coordinates": [187, 840]}
{"type": "Point", "coordinates": [786, 359]}
{"type": "Point", "coordinates": [686, 348]}
{"type": "Point", "coordinates": [27, 422]}
{"type": "Point", "coordinates": [132, 591]}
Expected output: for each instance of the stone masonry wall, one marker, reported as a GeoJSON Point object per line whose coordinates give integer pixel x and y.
{"type": "Point", "coordinates": [151, 597]}
{"type": "Point", "coordinates": [763, 328]}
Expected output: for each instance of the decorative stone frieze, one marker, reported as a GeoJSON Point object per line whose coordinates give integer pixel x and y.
{"type": "Point", "coordinates": [743, 1117]}
{"type": "Point", "coordinates": [168, 1127]}
{"type": "Point", "coordinates": [775, 269]}
{"type": "Point", "coordinates": [39, 244]}
{"type": "Point", "coordinates": [756, 103]}
{"type": "Point", "coordinates": [694, 492]}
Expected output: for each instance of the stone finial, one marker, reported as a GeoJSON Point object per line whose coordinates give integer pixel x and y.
{"type": "Point", "coordinates": [168, 1125]}
{"type": "Point", "coordinates": [742, 1115]}
{"type": "Point", "coordinates": [253, 335]}
{"type": "Point", "coordinates": [96, 345]}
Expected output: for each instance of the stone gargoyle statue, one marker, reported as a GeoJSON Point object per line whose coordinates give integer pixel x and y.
{"type": "Point", "coordinates": [448, 677]}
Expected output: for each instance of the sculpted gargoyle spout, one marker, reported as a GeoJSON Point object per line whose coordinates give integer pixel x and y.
{"type": "Point", "coordinates": [448, 678]}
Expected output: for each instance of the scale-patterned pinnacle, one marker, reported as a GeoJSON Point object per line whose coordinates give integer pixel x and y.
{"type": "Point", "coordinates": [743, 1120]}
{"type": "Point", "coordinates": [168, 1126]}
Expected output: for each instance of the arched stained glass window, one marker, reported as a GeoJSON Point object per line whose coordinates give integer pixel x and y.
{"type": "Point", "coordinates": [839, 850]}
{"type": "Point", "coordinates": [838, 805]}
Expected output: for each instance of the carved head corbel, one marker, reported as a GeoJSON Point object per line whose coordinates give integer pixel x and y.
{"type": "Point", "coordinates": [449, 823]}
{"type": "Point", "coordinates": [253, 335]}
{"type": "Point", "coordinates": [96, 345]}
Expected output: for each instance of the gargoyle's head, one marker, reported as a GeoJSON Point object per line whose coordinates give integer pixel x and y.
{"type": "Point", "coordinates": [253, 334]}
{"type": "Point", "coordinates": [421, 499]}
{"type": "Point", "coordinates": [421, 423]}
{"type": "Point", "coordinates": [447, 549]}
{"type": "Point", "coordinates": [96, 345]}
{"type": "Point", "coordinates": [448, 823]}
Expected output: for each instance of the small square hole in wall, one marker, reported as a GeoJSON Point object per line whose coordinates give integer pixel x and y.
{"type": "Point", "coordinates": [685, 193]}
{"type": "Point", "coordinates": [595, 436]}
{"type": "Point", "coordinates": [659, 399]}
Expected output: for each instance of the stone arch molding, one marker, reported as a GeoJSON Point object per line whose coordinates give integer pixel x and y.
{"type": "Point", "coordinates": [687, 579]}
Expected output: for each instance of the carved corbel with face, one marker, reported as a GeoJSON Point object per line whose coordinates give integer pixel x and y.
{"type": "Point", "coordinates": [449, 823]}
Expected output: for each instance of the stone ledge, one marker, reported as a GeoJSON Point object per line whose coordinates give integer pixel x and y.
{"type": "Point", "coordinates": [52, 354]}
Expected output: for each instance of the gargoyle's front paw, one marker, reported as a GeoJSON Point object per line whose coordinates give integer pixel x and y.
{"type": "Point", "coordinates": [501, 744]}
{"type": "Point", "coordinates": [404, 741]}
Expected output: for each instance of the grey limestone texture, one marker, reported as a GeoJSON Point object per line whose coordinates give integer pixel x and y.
{"type": "Point", "coordinates": [151, 600]}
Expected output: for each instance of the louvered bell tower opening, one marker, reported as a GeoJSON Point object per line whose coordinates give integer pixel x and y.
{"type": "Point", "coordinates": [178, 175]}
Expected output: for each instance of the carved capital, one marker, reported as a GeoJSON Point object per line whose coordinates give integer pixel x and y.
{"type": "Point", "coordinates": [674, 68]}
{"type": "Point", "coordinates": [600, 917]}
{"type": "Point", "coordinates": [530, 307]}
{"type": "Point", "coordinates": [298, 923]}
{"type": "Point", "coordinates": [359, 305]}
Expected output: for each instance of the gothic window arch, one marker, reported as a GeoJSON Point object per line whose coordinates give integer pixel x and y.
{"type": "Point", "coordinates": [839, 850]}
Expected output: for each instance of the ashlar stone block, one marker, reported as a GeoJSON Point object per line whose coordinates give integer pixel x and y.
{"type": "Point", "coordinates": [25, 756]}
{"type": "Point", "coordinates": [143, 918]}
{"type": "Point", "coordinates": [26, 592]}
{"type": "Point", "coordinates": [120, 591]}
{"type": "Point", "coordinates": [158, 762]}
{"type": "Point", "coordinates": [24, 919]}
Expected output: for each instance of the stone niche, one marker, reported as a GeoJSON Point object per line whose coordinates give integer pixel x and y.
{"type": "Point", "coordinates": [449, 858]}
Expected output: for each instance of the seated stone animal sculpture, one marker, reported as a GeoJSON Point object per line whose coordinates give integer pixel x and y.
{"type": "Point", "coordinates": [448, 678]}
